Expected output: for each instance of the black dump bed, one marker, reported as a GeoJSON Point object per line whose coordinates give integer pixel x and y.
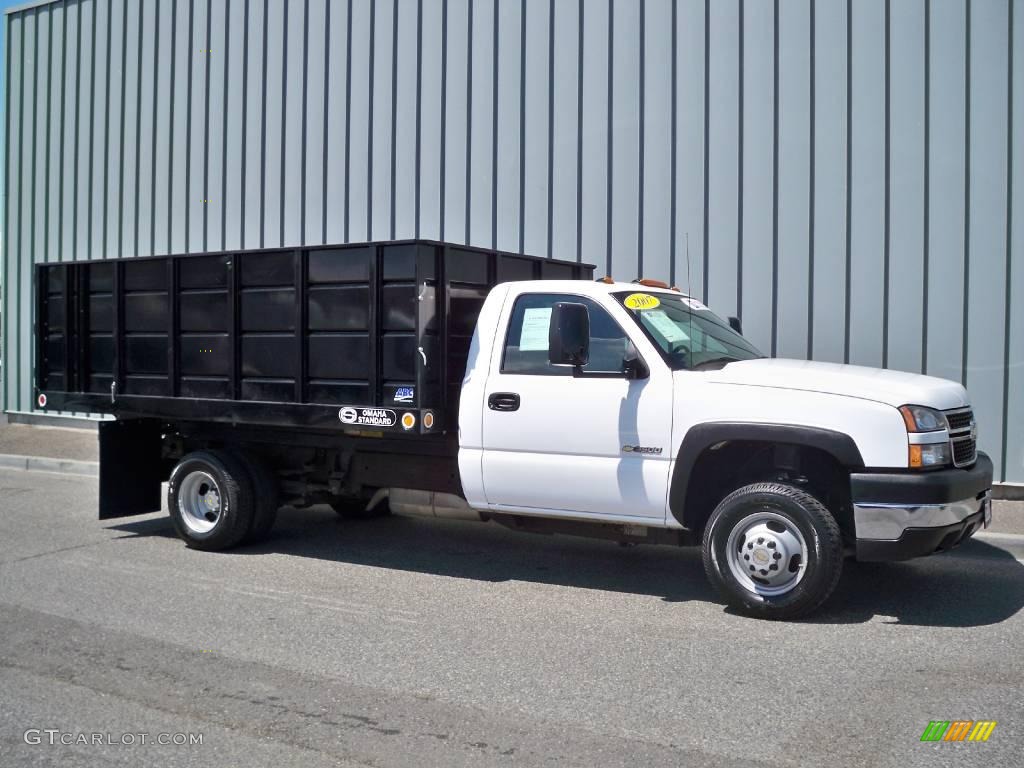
{"type": "Point", "coordinates": [368, 337]}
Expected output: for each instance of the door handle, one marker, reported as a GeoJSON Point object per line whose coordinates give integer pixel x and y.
{"type": "Point", "coordinates": [503, 401]}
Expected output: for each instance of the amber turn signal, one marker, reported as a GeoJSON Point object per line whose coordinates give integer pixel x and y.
{"type": "Point", "coordinates": [915, 455]}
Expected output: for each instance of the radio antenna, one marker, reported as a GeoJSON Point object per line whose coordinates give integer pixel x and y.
{"type": "Point", "coordinates": [689, 292]}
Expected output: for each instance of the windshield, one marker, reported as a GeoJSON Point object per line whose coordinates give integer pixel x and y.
{"type": "Point", "coordinates": [686, 332]}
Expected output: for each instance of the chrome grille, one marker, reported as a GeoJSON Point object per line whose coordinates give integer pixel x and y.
{"type": "Point", "coordinates": [961, 436]}
{"type": "Point", "coordinates": [963, 452]}
{"type": "Point", "coordinates": [959, 419]}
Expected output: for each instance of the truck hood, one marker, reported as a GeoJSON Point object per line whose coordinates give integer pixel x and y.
{"type": "Point", "coordinates": [885, 386]}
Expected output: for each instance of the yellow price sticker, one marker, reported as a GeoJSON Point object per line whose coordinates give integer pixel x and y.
{"type": "Point", "coordinates": [641, 301]}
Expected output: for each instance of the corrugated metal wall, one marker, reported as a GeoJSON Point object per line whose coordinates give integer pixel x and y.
{"type": "Point", "coordinates": [841, 174]}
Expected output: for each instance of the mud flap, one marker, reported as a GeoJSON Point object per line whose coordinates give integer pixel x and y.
{"type": "Point", "coordinates": [131, 468]}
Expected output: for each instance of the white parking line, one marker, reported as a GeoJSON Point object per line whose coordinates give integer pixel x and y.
{"type": "Point", "coordinates": [1018, 537]}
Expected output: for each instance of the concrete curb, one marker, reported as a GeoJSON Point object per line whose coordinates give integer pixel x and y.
{"type": "Point", "coordinates": [50, 420]}
{"type": "Point", "coordinates": [1008, 491]}
{"type": "Point", "coordinates": [45, 464]}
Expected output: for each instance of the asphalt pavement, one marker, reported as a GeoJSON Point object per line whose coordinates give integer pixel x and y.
{"type": "Point", "coordinates": [398, 642]}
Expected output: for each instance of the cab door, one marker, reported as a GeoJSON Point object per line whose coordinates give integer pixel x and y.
{"type": "Point", "coordinates": [558, 444]}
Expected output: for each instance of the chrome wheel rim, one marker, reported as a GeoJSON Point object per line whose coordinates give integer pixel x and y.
{"type": "Point", "coordinates": [766, 554]}
{"type": "Point", "coordinates": [199, 502]}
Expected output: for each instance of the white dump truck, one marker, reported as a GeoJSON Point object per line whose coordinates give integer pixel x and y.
{"type": "Point", "coordinates": [424, 378]}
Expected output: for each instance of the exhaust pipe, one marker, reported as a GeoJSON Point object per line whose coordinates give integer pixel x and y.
{"type": "Point", "coordinates": [412, 503]}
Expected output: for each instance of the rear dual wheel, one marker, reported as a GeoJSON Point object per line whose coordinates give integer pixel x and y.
{"type": "Point", "coordinates": [218, 499]}
{"type": "Point", "coordinates": [266, 497]}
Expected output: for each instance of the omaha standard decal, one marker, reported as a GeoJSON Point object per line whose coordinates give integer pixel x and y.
{"type": "Point", "coordinates": [368, 417]}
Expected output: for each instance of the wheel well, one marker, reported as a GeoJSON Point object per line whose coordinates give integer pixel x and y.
{"type": "Point", "coordinates": [723, 467]}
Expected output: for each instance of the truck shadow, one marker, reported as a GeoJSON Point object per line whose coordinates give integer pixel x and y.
{"type": "Point", "coordinates": [975, 585]}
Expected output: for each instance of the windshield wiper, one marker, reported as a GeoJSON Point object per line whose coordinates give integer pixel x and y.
{"type": "Point", "coordinates": [724, 359]}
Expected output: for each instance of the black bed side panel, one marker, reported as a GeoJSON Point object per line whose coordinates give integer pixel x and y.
{"type": "Point", "coordinates": [130, 468]}
{"type": "Point", "coordinates": [330, 337]}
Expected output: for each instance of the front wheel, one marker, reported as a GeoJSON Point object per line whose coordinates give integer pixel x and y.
{"type": "Point", "coordinates": [773, 551]}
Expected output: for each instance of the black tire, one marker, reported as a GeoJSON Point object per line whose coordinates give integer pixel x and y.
{"type": "Point", "coordinates": [266, 496]}
{"type": "Point", "coordinates": [355, 509]}
{"type": "Point", "coordinates": [816, 525]}
{"type": "Point", "coordinates": [235, 499]}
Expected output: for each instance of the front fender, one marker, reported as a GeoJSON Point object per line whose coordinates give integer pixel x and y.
{"type": "Point", "coordinates": [700, 437]}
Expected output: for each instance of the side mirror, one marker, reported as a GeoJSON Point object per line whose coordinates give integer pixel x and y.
{"type": "Point", "coordinates": [632, 365]}
{"type": "Point", "coordinates": [569, 334]}
{"type": "Point", "coordinates": [734, 323]}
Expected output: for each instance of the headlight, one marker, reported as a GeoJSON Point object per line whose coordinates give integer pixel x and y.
{"type": "Point", "coordinates": [930, 455]}
{"type": "Point", "coordinates": [921, 419]}
{"type": "Point", "coordinates": [927, 436]}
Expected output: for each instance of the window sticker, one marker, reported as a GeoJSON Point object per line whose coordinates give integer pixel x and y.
{"type": "Point", "coordinates": [536, 323]}
{"type": "Point", "coordinates": [641, 301]}
{"type": "Point", "coordinates": [693, 304]}
{"type": "Point", "coordinates": [664, 325]}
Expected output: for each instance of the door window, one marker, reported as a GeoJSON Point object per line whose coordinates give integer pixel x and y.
{"type": "Point", "coordinates": [526, 345]}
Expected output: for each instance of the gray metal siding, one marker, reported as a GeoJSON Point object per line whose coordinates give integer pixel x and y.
{"type": "Point", "coordinates": [844, 175]}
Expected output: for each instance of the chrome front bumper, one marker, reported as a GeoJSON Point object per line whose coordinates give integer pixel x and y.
{"type": "Point", "coordinates": [898, 516]}
{"type": "Point", "coordinates": [889, 521]}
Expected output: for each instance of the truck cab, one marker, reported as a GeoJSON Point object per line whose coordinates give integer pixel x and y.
{"type": "Point", "coordinates": [636, 405]}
